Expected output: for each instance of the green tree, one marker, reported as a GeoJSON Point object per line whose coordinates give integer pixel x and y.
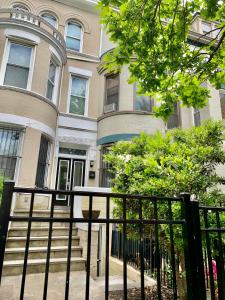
{"type": "Point", "coordinates": [152, 37]}
{"type": "Point", "coordinates": [157, 165]}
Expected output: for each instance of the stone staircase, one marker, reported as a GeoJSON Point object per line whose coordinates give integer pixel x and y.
{"type": "Point", "coordinates": [16, 241]}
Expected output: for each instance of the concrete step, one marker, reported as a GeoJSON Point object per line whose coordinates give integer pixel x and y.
{"type": "Point", "coordinates": [38, 266]}
{"type": "Point", "coordinates": [41, 252]}
{"type": "Point", "coordinates": [41, 241]}
{"type": "Point", "coordinates": [38, 224]}
{"type": "Point", "coordinates": [42, 213]}
{"type": "Point", "coordinates": [40, 231]}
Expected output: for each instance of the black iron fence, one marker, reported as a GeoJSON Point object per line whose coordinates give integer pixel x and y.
{"type": "Point", "coordinates": [169, 243]}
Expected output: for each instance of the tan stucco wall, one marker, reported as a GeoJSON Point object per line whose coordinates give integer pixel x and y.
{"type": "Point", "coordinates": [41, 68]}
{"type": "Point", "coordinates": [21, 104]}
{"type": "Point", "coordinates": [129, 123]}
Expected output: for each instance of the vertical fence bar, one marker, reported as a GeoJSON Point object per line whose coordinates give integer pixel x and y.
{"type": "Point", "coordinates": [87, 294]}
{"type": "Point", "coordinates": [141, 250]}
{"type": "Point", "coordinates": [208, 247]}
{"type": "Point", "coordinates": [220, 260]}
{"type": "Point", "coordinates": [27, 248]}
{"type": "Point", "coordinates": [107, 250]}
{"type": "Point", "coordinates": [69, 248]}
{"type": "Point", "coordinates": [173, 261]}
{"type": "Point", "coordinates": [124, 250]}
{"type": "Point", "coordinates": [196, 280]}
{"type": "Point", "coordinates": [49, 248]}
{"type": "Point", "coordinates": [157, 253]}
{"type": "Point", "coordinates": [4, 219]}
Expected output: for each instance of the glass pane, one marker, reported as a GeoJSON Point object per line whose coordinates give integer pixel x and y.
{"type": "Point", "coordinates": [50, 90]}
{"type": "Point", "coordinates": [16, 76]}
{"type": "Point", "coordinates": [52, 71]}
{"type": "Point", "coordinates": [174, 118]}
{"type": "Point", "coordinates": [79, 86]}
{"type": "Point", "coordinates": [7, 167]}
{"type": "Point", "coordinates": [143, 103]}
{"type": "Point", "coordinates": [42, 166]}
{"type": "Point", "coordinates": [73, 44]}
{"type": "Point", "coordinates": [71, 151]}
{"type": "Point", "coordinates": [77, 105]}
{"type": "Point", "coordinates": [206, 27]}
{"type": "Point", "coordinates": [112, 89]}
{"type": "Point", "coordinates": [197, 117]}
{"type": "Point", "coordinates": [63, 174]}
{"type": "Point", "coordinates": [78, 173]}
{"type": "Point", "coordinates": [74, 30]}
{"type": "Point", "coordinates": [9, 141]}
{"type": "Point", "coordinates": [50, 19]}
{"type": "Point", "coordinates": [20, 55]}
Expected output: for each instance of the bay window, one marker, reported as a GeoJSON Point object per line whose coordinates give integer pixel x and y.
{"type": "Point", "coordinates": [112, 93]}
{"type": "Point", "coordinates": [142, 102]}
{"type": "Point", "coordinates": [18, 66]}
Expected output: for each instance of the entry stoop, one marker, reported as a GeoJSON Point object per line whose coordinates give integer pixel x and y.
{"type": "Point", "coordinates": [16, 241]}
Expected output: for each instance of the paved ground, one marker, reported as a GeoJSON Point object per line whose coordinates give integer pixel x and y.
{"type": "Point", "coordinates": [10, 286]}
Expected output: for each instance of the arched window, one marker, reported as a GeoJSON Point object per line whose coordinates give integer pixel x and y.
{"type": "Point", "coordinates": [20, 7]}
{"type": "Point", "coordinates": [74, 36]}
{"type": "Point", "coordinates": [51, 19]}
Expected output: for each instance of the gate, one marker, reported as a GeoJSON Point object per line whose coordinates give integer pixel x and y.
{"type": "Point", "coordinates": [173, 224]}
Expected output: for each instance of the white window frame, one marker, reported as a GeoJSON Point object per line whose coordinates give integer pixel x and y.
{"type": "Point", "coordinates": [6, 58]}
{"type": "Point", "coordinates": [81, 35]}
{"type": "Point", "coordinates": [87, 94]}
{"type": "Point", "coordinates": [52, 15]}
{"type": "Point", "coordinates": [55, 93]}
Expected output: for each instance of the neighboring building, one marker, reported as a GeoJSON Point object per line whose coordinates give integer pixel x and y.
{"type": "Point", "coordinates": [59, 110]}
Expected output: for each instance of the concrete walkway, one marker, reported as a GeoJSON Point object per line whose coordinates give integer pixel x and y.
{"type": "Point", "coordinates": [10, 286]}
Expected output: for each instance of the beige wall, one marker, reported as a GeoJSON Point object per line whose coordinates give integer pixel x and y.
{"type": "Point", "coordinates": [22, 104]}
{"type": "Point", "coordinates": [129, 123]}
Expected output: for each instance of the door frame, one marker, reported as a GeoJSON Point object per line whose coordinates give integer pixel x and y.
{"type": "Point", "coordinates": [71, 161]}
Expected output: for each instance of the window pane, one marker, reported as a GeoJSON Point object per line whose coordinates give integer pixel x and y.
{"type": "Point", "coordinates": [174, 120]}
{"type": "Point", "coordinates": [77, 105]}
{"type": "Point", "coordinates": [78, 173]}
{"type": "Point", "coordinates": [19, 55]}
{"type": "Point", "coordinates": [16, 76]}
{"type": "Point", "coordinates": [112, 89]}
{"type": "Point", "coordinates": [206, 27]}
{"type": "Point", "coordinates": [197, 117]}
{"type": "Point", "coordinates": [63, 174]}
{"type": "Point", "coordinates": [42, 162]}
{"type": "Point", "coordinates": [73, 44]}
{"type": "Point", "coordinates": [143, 103]}
{"type": "Point", "coordinates": [79, 86]}
{"type": "Point", "coordinates": [7, 167]}
{"type": "Point", "coordinates": [74, 30]}
{"type": "Point", "coordinates": [50, 89]}
{"type": "Point", "coordinates": [9, 142]}
{"type": "Point", "coordinates": [52, 71]}
{"type": "Point", "coordinates": [50, 19]}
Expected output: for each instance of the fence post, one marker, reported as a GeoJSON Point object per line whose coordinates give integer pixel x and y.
{"type": "Point", "coordinates": [4, 218]}
{"type": "Point", "coordinates": [193, 254]}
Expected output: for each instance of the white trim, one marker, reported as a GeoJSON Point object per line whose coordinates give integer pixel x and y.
{"type": "Point", "coordinates": [19, 120]}
{"type": "Point", "coordinates": [22, 34]}
{"type": "Point", "coordinates": [78, 71]}
{"type": "Point", "coordinates": [54, 52]}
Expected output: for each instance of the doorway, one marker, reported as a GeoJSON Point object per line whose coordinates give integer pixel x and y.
{"type": "Point", "coordinates": [70, 173]}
